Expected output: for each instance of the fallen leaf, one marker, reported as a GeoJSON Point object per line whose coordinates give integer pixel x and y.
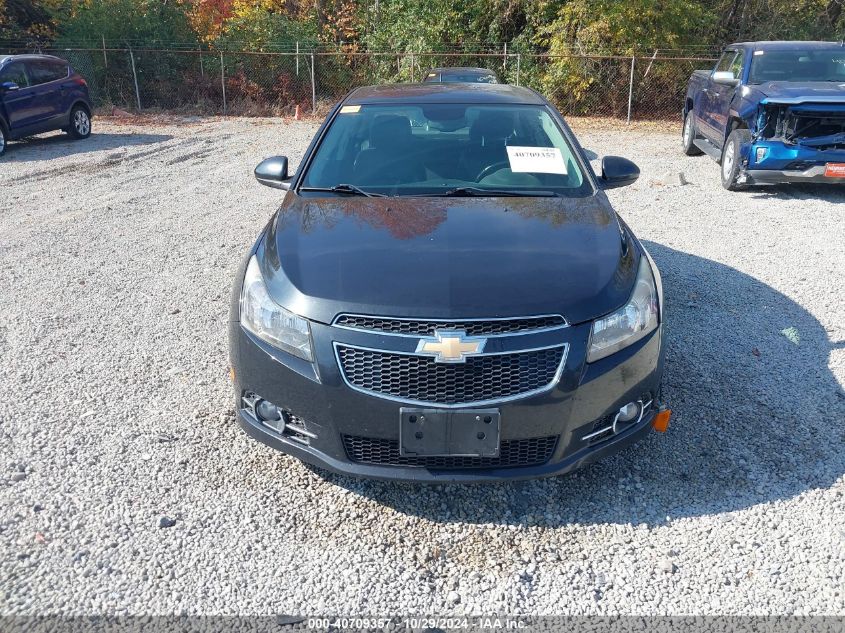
{"type": "Point", "coordinates": [792, 335]}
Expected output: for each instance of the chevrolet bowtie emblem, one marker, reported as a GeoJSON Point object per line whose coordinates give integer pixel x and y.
{"type": "Point", "coordinates": [450, 346]}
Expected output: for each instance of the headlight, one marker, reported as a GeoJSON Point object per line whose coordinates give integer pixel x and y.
{"type": "Point", "coordinates": [268, 320]}
{"type": "Point", "coordinates": [631, 322]}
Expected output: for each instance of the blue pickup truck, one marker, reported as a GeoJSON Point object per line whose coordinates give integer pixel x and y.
{"type": "Point", "coordinates": [770, 112]}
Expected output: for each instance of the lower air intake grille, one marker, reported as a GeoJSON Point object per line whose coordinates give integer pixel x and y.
{"type": "Point", "coordinates": [512, 453]}
{"type": "Point", "coordinates": [602, 423]}
{"type": "Point", "coordinates": [802, 165]}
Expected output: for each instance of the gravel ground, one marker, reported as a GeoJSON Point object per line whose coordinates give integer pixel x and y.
{"type": "Point", "coordinates": [127, 488]}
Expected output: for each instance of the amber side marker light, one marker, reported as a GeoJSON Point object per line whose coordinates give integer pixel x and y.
{"type": "Point", "coordinates": [661, 420]}
{"type": "Point", "coordinates": [232, 374]}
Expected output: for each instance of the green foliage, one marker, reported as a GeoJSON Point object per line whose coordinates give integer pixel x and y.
{"type": "Point", "coordinates": [265, 31]}
{"type": "Point", "coordinates": [781, 19]}
{"type": "Point", "coordinates": [496, 20]}
{"type": "Point", "coordinates": [626, 27]}
{"type": "Point", "coordinates": [410, 25]}
{"type": "Point", "coordinates": [611, 27]}
{"type": "Point", "coordinates": [148, 22]}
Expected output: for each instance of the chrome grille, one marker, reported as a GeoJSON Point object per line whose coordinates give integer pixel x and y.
{"type": "Point", "coordinates": [426, 327]}
{"type": "Point", "coordinates": [421, 380]}
{"type": "Point", "coordinates": [377, 451]}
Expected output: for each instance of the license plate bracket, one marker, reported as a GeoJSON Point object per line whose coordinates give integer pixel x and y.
{"type": "Point", "coordinates": [447, 432]}
{"type": "Point", "coordinates": [834, 170]}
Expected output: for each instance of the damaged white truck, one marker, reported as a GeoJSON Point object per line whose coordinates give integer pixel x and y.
{"type": "Point", "coordinates": [770, 112]}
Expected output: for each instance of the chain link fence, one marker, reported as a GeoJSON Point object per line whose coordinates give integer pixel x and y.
{"type": "Point", "coordinates": [249, 83]}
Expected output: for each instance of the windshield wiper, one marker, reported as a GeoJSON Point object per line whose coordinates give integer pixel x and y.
{"type": "Point", "coordinates": [346, 188]}
{"type": "Point", "coordinates": [468, 192]}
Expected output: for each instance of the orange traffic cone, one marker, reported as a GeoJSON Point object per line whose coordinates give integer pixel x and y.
{"type": "Point", "coordinates": [296, 116]}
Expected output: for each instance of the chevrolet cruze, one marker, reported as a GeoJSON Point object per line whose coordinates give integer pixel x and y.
{"type": "Point", "coordinates": [446, 294]}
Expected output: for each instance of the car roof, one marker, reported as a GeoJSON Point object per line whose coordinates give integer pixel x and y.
{"type": "Point", "coordinates": [786, 45]}
{"type": "Point", "coordinates": [28, 56]}
{"type": "Point", "coordinates": [434, 92]}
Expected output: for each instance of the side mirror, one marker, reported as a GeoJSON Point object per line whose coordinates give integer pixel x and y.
{"type": "Point", "coordinates": [725, 77]}
{"type": "Point", "coordinates": [618, 172]}
{"type": "Point", "coordinates": [273, 172]}
{"type": "Point", "coordinates": [8, 86]}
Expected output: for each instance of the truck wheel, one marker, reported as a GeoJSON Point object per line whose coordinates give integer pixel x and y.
{"type": "Point", "coordinates": [688, 137]}
{"type": "Point", "coordinates": [4, 139]}
{"type": "Point", "coordinates": [731, 159]}
{"type": "Point", "coordinates": [80, 123]}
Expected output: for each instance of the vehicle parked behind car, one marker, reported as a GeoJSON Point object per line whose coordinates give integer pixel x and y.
{"type": "Point", "coordinates": [461, 75]}
{"type": "Point", "coordinates": [41, 93]}
{"type": "Point", "coordinates": [770, 112]}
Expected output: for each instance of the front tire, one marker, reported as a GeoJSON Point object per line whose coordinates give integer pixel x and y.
{"type": "Point", "coordinates": [80, 123]}
{"type": "Point", "coordinates": [688, 136]}
{"type": "Point", "coordinates": [4, 139]}
{"type": "Point", "coordinates": [732, 160]}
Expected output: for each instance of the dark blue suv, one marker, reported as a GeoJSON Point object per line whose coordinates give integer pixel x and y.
{"type": "Point", "coordinates": [41, 93]}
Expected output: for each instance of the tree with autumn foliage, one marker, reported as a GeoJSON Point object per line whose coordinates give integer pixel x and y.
{"type": "Point", "coordinates": [428, 25]}
{"type": "Point", "coordinates": [264, 24]}
{"type": "Point", "coordinates": [554, 36]}
{"type": "Point", "coordinates": [27, 21]}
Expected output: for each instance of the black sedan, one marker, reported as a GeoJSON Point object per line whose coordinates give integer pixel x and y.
{"type": "Point", "coordinates": [446, 294]}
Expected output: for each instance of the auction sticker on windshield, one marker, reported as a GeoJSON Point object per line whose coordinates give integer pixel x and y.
{"type": "Point", "coordinates": [537, 160]}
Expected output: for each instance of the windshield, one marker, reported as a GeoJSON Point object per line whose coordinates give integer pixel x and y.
{"type": "Point", "coordinates": [434, 149]}
{"type": "Point", "coordinates": [798, 65]}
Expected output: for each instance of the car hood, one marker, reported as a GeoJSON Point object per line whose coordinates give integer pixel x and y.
{"type": "Point", "coordinates": [790, 92]}
{"type": "Point", "coordinates": [448, 257]}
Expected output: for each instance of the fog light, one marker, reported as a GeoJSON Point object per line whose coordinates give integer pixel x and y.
{"type": "Point", "coordinates": [761, 153]}
{"type": "Point", "coordinates": [267, 411]}
{"type": "Point", "coordinates": [629, 412]}
{"type": "Point", "coordinates": [271, 416]}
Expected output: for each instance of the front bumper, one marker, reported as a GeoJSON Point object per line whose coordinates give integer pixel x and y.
{"type": "Point", "coordinates": [814, 174]}
{"type": "Point", "coordinates": [331, 412]}
{"type": "Point", "coordinates": [789, 163]}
